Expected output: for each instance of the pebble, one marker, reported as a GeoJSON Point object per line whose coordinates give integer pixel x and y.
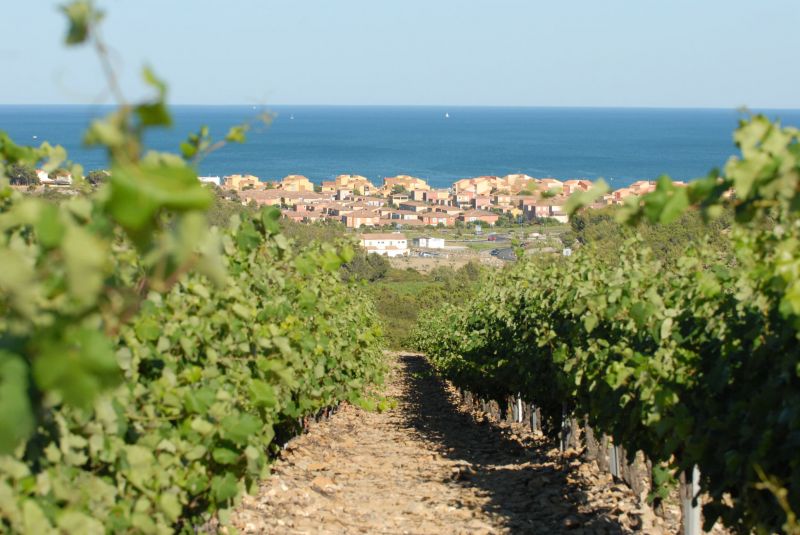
{"type": "Point", "coordinates": [432, 466]}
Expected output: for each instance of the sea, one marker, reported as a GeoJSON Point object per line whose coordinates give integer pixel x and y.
{"type": "Point", "coordinates": [439, 144]}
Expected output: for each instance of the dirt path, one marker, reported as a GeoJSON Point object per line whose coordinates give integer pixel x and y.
{"type": "Point", "coordinates": [429, 466]}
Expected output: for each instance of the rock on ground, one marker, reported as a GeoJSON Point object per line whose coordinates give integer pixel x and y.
{"type": "Point", "coordinates": [430, 466]}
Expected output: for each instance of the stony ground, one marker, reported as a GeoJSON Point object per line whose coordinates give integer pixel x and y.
{"type": "Point", "coordinates": [431, 466]}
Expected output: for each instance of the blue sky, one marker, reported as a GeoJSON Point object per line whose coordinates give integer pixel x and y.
{"type": "Point", "coordinates": [676, 53]}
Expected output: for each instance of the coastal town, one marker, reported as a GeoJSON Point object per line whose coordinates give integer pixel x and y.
{"type": "Point", "coordinates": [405, 202]}
{"type": "Point", "coordinates": [401, 203]}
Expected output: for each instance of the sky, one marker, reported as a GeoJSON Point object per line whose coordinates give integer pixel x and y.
{"type": "Point", "coordinates": [609, 53]}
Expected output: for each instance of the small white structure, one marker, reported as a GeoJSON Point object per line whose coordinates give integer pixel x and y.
{"type": "Point", "coordinates": [429, 243]}
{"type": "Point", "coordinates": [211, 180]}
{"type": "Point", "coordinates": [61, 180]}
{"type": "Point", "coordinates": [392, 244]}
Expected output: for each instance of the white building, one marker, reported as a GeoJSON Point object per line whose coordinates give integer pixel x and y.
{"type": "Point", "coordinates": [211, 180]}
{"type": "Point", "coordinates": [61, 180]}
{"type": "Point", "coordinates": [394, 244]}
{"type": "Point", "coordinates": [429, 243]}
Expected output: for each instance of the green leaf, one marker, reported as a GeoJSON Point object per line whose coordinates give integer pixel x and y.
{"type": "Point", "coordinates": [49, 228]}
{"type": "Point", "coordinates": [78, 362]}
{"type": "Point", "coordinates": [147, 329]}
{"type": "Point", "coordinates": [85, 257]}
{"type": "Point", "coordinates": [79, 522]}
{"type": "Point", "coordinates": [171, 506]}
{"type": "Point", "coordinates": [581, 199]}
{"type": "Point", "coordinates": [240, 427]}
{"type": "Point", "coordinates": [237, 134]}
{"type": "Point", "coordinates": [16, 416]}
{"type": "Point", "coordinates": [139, 193]}
{"type": "Point", "coordinates": [225, 456]}
{"type": "Point", "coordinates": [675, 206]}
{"type": "Point", "coordinates": [154, 114]}
{"type": "Point", "coordinates": [262, 393]}
{"type": "Point", "coordinates": [270, 217]}
{"type": "Point", "coordinates": [82, 16]}
{"type": "Point", "coordinates": [224, 488]}
{"type": "Point", "coordinates": [589, 322]}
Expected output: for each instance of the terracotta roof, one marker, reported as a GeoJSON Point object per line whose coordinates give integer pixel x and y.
{"type": "Point", "coordinates": [383, 236]}
{"type": "Point", "coordinates": [478, 213]}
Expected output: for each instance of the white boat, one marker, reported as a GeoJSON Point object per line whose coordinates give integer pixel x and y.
{"type": "Point", "coordinates": [446, 115]}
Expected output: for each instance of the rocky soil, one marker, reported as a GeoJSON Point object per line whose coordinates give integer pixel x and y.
{"type": "Point", "coordinates": [432, 466]}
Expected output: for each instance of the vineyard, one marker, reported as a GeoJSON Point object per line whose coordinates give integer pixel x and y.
{"type": "Point", "coordinates": [694, 363]}
{"type": "Point", "coordinates": [151, 365]}
{"type": "Point", "coordinates": [155, 361]}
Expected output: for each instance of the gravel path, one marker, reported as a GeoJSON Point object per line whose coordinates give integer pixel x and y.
{"type": "Point", "coordinates": [431, 466]}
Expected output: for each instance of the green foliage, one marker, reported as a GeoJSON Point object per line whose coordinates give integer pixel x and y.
{"type": "Point", "coordinates": [225, 205]}
{"type": "Point", "coordinates": [600, 231]}
{"type": "Point", "coordinates": [364, 266]}
{"type": "Point", "coordinates": [97, 177]}
{"type": "Point", "coordinates": [305, 233]}
{"type": "Point", "coordinates": [677, 350]}
{"type": "Point", "coordinates": [22, 175]}
{"type": "Point", "coordinates": [403, 295]}
{"type": "Point", "coordinates": [149, 360]}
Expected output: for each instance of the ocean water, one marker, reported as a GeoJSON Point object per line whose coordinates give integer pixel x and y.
{"type": "Point", "coordinates": [620, 145]}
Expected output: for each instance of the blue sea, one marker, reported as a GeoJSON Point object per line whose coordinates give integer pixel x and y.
{"type": "Point", "coordinates": [436, 143]}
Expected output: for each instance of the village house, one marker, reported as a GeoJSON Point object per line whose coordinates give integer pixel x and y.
{"type": "Point", "coordinates": [360, 185]}
{"type": "Point", "coordinates": [375, 202]}
{"type": "Point", "coordinates": [501, 198]}
{"type": "Point", "coordinates": [62, 178]}
{"type": "Point", "coordinates": [507, 209]}
{"type": "Point", "coordinates": [343, 194]}
{"type": "Point", "coordinates": [406, 223]}
{"type": "Point", "coordinates": [361, 218]}
{"type": "Point", "coordinates": [515, 183]}
{"type": "Point", "coordinates": [552, 208]}
{"type": "Point", "coordinates": [403, 214]}
{"type": "Point", "coordinates": [396, 198]}
{"type": "Point", "coordinates": [482, 185]}
{"type": "Point", "coordinates": [550, 184]}
{"type": "Point", "coordinates": [240, 182]}
{"type": "Point", "coordinates": [481, 202]}
{"type": "Point", "coordinates": [290, 198]}
{"type": "Point", "coordinates": [297, 183]}
{"type": "Point", "coordinates": [437, 218]}
{"type": "Point", "coordinates": [409, 183]}
{"type": "Point", "coordinates": [418, 195]}
{"type": "Point", "coordinates": [437, 197]}
{"type": "Point", "coordinates": [297, 217]}
{"type": "Point", "coordinates": [385, 244]}
{"type": "Point", "coordinates": [414, 206]}
{"type": "Point", "coordinates": [429, 243]}
{"type": "Point", "coordinates": [479, 216]}
{"type": "Point", "coordinates": [463, 199]}
{"type": "Point", "coordinates": [449, 210]}
{"type": "Point", "coordinates": [217, 181]}
{"type": "Point", "coordinates": [269, 197]}
{"type": "Point", "coordinates": [571, 186]}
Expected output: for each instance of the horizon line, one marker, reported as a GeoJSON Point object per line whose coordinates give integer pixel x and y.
{"type": "Point", "coordinates": [741, 108]}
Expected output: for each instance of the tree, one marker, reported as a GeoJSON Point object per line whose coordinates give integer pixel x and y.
{"type": "Point", "coordinates": [97, 177]}
{"type": "Point", "coordinates": [22, 175]}
{"type": "Point", "coordinates": [397, 189]}
{"type": "Point", "coordinates": [59, 173]}
{"type": "Point", "coordinates": [370, 267]}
